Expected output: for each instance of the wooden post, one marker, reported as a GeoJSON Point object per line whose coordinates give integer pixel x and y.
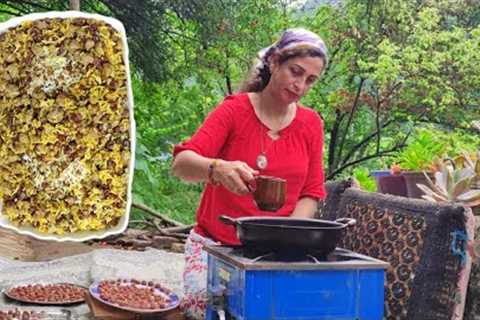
{"type": "Point", "coordinates": [75, 5]}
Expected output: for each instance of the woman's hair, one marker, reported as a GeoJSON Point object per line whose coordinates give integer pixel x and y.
{"type": "Point", "coordinates": [293, 43]}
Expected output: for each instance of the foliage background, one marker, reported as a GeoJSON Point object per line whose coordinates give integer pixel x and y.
{"type": "Point", "coordinates": [403, 78]}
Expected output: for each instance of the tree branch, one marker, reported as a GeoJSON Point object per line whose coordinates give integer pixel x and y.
{"type": "Point", "coordinates": [365, 141]}
{"type": "Point", "coordinates": [372, 156]}
{"type": "Point", "coordinates": [74, 5]}
{"type": "Point", "coordinates": [389, 93]}
{"type": "Point", "coordinates": [227, 72]}
{"type": "Point", "coordinates": [156, 214]}
{"type": "Point", "coordinates": [377, 124]}
{"type": "Point", "coordinates": [333, 139]}
{"type": "Point", "coordinates": [350, 118]}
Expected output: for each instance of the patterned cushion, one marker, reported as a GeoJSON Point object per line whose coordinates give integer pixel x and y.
{"type": "Point", "coordinates": [425, 244]}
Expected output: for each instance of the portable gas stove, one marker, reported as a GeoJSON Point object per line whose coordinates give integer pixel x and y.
{"type": "Point", "coordinates": [248, 285]}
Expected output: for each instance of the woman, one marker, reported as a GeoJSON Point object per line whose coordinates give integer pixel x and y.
{"type": "Point", "coordinates": [261, 130]}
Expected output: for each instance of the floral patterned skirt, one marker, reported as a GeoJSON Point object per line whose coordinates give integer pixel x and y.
{"type": "Point", "coordinates": [194, 301]}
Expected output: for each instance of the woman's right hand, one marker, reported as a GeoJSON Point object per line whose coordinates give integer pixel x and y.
{"type": "Point", "coordinates": [234, 175]}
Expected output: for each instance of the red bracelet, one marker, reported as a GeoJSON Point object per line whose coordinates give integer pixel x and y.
{"type": "Point", "coordinates": [211, 167]}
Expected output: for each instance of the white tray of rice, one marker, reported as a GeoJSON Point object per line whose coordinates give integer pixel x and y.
{"type": "Point", "coordinates": [67, 132]}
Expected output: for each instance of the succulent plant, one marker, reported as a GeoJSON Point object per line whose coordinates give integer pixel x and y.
{"type": "Point", "coordinates": [452, 185]}
{"type": "Point", "coordinates": [471, 161]}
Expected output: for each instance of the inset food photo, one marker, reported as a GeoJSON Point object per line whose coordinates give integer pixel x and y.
{"type": "Point", "coordinates": [67, 132]}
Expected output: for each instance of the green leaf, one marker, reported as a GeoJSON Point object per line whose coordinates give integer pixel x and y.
{"type": "Point", "coordinates": [431, 194]}
{"type": "Point", "coordinates": [470, 196]}
{"type": "Point", "coordinates": [460, 187]}
{"type": "Point", "coordinates": [141, 164]}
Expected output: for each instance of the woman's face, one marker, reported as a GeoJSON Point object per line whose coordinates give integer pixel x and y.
{"type": "Point", "coordinates": [292, 79]}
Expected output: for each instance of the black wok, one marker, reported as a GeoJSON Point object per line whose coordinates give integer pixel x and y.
{"type": "Point", "coordinates": [289, 234]}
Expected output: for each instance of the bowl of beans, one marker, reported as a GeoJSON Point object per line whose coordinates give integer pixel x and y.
{"type": "Point", "coordinates": [138, 296]}
{"type": "Point", "coordinates": [46, 294]}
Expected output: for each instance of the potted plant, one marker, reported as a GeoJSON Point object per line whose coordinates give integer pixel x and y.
{"type": "Point", "coordinates": [417, 157]}
{"type": "Point", "coordinates": [377, 175]}
{"type": "Point", "coordinates": [453, 184]}
{"type": "Point", "coordinates": [364, 179]}
{"type": "Point", "coordinates": [390, 181]}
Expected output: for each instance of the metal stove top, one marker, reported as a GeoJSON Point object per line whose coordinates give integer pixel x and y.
{"type": "Point", "coordinates": [262, 260]}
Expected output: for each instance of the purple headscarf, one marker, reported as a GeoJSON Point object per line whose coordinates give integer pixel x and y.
{"type": "Point", "coordinates": [292, 38]}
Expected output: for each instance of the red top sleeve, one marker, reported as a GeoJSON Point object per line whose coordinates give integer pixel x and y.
{"type": "Point", "coordinates": [209, 139]}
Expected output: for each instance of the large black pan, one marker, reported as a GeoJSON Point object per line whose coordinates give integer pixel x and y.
{"type": "Point", "coordinates": [289, 234]}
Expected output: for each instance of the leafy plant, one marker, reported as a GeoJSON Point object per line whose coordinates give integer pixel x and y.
{"type": "Point", "coordinates": [421, 152]}
{"type": "Point", "coordinates": [363, 177]}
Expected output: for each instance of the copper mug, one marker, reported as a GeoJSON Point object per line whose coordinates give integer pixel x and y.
{"type": "Point", "coordinates": [269, 192]}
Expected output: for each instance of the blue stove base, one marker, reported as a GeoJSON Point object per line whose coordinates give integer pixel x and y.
{"type": "Point", "coordinates": [345, 294]}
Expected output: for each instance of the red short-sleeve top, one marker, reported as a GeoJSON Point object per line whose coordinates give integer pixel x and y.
{"type": "Point", "coordinates": [232, 131]}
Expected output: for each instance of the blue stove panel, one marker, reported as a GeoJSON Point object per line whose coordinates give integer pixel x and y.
{"type": "Point", "coordinates": [353, 294]}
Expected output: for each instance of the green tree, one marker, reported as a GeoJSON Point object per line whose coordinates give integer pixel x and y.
{"type": "Point", "coordinates": [394, 65]}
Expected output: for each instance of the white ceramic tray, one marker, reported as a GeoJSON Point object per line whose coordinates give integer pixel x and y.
{"type": "Point", "coordinates": [123, 223]}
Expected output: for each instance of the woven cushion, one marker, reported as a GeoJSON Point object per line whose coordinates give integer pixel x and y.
{"type": "Point", "coordinates": [416, 237]}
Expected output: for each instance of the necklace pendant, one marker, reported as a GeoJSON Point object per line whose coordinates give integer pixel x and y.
{"type": "Point", "coordinates": [262, 161]}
